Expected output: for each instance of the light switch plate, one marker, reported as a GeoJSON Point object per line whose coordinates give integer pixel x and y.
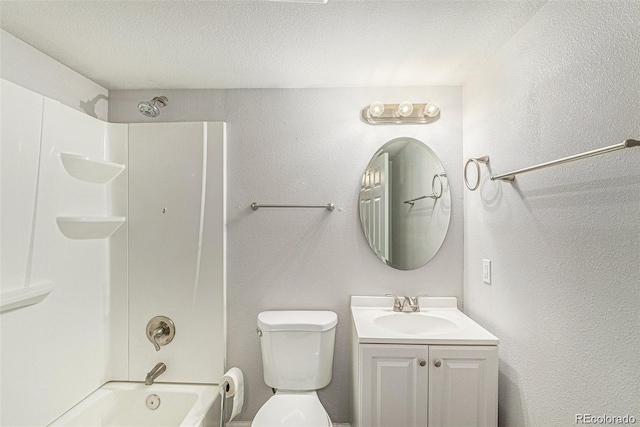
{"type": "Point", "coordinates": [486, 271]}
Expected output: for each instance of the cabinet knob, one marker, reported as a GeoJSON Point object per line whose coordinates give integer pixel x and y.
{"type": "Point", "coordinates": [422, 362]}
{"type": "Point", "coordinates": [437, 363]}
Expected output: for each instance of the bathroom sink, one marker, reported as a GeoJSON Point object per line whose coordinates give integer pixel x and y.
{"type": "Point", "coordinates": [416, 323]}
{"type": "Point", "coordinates": [438, 322]}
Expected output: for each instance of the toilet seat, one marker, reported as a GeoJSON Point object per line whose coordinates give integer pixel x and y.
{"type": "Point", "coordinates": [292, 409]}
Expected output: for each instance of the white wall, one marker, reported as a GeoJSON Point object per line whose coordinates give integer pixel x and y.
{"type": "Point", "coordinates": [309, 146]}
{"type": "Point", "coordinates": [564, 241]}
{"type": "Point", "coordinates": [26, 66]}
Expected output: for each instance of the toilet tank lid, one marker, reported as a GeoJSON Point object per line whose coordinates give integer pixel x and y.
{"type": "Point", "coordinates": [298, 320]}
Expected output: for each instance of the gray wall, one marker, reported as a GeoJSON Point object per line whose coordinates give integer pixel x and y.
{"type": "Point", "coordinates": [564, 241]}
{"type": "Point", "coordinates": [26, 66]}
{"type": "Point", "coordinates": [309, 146]}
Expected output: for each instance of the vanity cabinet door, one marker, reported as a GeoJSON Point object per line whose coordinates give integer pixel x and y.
{"type": "Point", "coordinates": [463, 386]}
{"type": "Point", "coordinates": [394, 385]}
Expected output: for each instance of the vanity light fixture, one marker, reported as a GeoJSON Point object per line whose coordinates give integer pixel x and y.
{"type": "Point", "coordinates": [404, 109]}
{"type": "Point", "coordinates": [431, 110]}
{"type": "Point", "coordinates": [376, 109]}
{"type": "Point", "coordinates": [404, 113]}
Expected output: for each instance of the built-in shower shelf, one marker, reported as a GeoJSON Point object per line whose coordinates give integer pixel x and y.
{"type": "Point", "coordinates": [89, 227]}
{"type": "Point", "coordinates": [90, 169]}
{"type": "Point", "coordinates": [26, 296]}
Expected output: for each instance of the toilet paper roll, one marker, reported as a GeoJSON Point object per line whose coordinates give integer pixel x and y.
{"type": "Point", "coordinates": [236, 389]}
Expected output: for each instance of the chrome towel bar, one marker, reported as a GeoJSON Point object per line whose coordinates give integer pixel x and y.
{"type": "Point", "coordinates": [330, 207]}
{"type": "Point", "coordinates": [511, 176]}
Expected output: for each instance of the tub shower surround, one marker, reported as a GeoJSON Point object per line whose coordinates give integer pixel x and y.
{"type": "Point", "coordinates": [176, 248]}
{"type": "Point", "coordinates": [105, 226]}
{"type": "Point", "coordinates": [73, 337]}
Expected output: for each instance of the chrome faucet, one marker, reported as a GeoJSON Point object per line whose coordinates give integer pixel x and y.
{"type": "Point", "coordinates": [414, 303]}
{"type": "Point", "coordinates": [160, 331]}
{"type": "Point", "coordinates": [397, 305]}
{"type": "Point", "coordinates": [409, 305]}
{"type": "Point", "coordinates": [155, 373]}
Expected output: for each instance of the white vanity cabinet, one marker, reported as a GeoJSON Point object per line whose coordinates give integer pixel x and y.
{"type": "Point", "coordinates": [463, 386]}
{"type": "Point", "coordinates": [393, 385]}
{"type": "Point", "coordinates": [413, 379]}
{"type": "Point", "coordinates": [425, 386]}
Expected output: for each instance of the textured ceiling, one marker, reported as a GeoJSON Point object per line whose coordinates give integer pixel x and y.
{"type": "Point", "coordinates": [262, 44]}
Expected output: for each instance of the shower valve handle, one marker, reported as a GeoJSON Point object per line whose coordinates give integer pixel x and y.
{"type": "Point", "coordinates": [160, 331]}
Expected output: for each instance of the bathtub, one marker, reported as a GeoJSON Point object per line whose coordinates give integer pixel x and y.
{"type": "Point", "coordinates": [124, 404]}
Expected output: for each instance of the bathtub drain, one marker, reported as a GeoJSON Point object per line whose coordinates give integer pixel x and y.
{"type": "Point", "coordinates": [153, 401]}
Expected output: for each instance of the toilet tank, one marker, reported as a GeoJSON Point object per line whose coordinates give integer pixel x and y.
{"type": "Point", "coordinates": [297, 348]}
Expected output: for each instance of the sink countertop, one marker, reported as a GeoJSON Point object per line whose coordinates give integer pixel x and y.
{"type": "Point", "coordinates": [375, 323]}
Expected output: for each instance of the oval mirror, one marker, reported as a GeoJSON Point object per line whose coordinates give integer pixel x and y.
{"type": "Point", "coordinates": [405, 204]}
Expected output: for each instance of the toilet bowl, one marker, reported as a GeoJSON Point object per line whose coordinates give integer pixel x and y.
{"type": "Point", "coordinates": [297, 359]}
{"type": "Point", "coordinates": [294, 409]}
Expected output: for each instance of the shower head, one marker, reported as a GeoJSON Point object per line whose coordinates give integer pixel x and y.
{"type": "Point", "coordinates": [152, 108]}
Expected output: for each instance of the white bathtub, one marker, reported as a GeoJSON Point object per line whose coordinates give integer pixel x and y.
{"type": "Point", "coordinates": [123, 404]}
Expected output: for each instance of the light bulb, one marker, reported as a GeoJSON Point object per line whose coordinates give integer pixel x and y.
{"type": "Point", "coordinates": [405, 109]}
{"type": "Point", "coordinates": [431, 110]}
{"type": "Point", "coordinates": [376, 109]}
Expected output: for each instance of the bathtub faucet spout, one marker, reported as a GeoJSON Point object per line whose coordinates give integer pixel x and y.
{"type": "Point", "coordinates": [155, 373]}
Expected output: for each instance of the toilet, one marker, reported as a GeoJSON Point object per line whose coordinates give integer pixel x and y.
{"type": "Point", "coordinates": [297, 358]}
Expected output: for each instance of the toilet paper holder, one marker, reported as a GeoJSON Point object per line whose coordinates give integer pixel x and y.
{"type": "Point", "coordinates": [224, 388]}
{"type": "Point", "coordinates": [231, 385]}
